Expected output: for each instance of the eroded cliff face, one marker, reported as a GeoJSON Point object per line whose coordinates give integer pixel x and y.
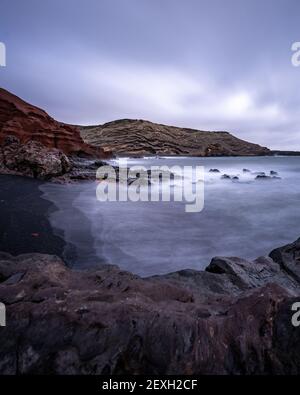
{"type": "Point", "coordinates": [35, 145]}
{"type": "Point", "coordinates": [27, 122]}
{"type": "Point", "coordinates": [142, 138]}
{"type": "Point", "coordinates": [123, 137]}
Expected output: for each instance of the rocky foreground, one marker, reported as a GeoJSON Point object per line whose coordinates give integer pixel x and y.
{"type": "Point", "coordinates": [232, 318]}
{"type": "Point", "coordinates": [129, 137]}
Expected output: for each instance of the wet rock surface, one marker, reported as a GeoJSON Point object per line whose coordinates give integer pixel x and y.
{"type": "Point", "coordinates": [33, 159]}
{"type": "Point", "coordinates": [226, 177]}
{"type": "Point", "coordinates": [260, 175]}
{"type": "Point", "coordinates": [233, 318]}
{"type": "Point", "coordinates": [265, 177]}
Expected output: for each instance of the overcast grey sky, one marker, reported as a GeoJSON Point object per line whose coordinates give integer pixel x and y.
{"type": "Point", "coordinates": [215, 64]}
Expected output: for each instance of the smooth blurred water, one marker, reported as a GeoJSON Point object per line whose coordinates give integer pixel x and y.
{"type": "Point", "coordinates": [245, 218]}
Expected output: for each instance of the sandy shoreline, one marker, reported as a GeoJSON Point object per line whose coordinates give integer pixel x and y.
{"type": "Point", "coordinates": [24, 224]}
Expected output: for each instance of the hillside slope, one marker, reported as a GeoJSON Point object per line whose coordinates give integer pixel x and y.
{"type": "Point", "coordinates": [35, 145]}
{"type": "Point", "coordinates": [27, 122]}
{"type": "Point", "coordinates": [139, 138]}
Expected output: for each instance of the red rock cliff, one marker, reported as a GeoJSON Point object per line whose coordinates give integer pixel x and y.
{"type": "Point", "coordinates": [28, 122]}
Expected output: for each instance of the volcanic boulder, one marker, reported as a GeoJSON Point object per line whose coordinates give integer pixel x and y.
{"type": "Point", "coordinates": [32, 159]}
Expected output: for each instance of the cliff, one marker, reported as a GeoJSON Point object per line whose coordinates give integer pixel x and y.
{"type": "Point", "coordinates": [35, 145]}
{"type": "Point", "coordinates": [143, 138]}
{"type": "Point", "coordinates": [124, 137]}
{"type": "Point", "coordinates": [27, 122]}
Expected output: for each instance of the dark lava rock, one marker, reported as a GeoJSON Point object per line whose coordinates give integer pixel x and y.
{"type": "Point", "coordinates": [225, 177]}
{"type": "Point", "coordinates": [246, 171]}
{"type": "Point", "coordinates": [273, 173]}
{"type": "Point", "coordinates": [288, 258]}
{"type": "Point", "coordinates": [233, 318]}
{"type": "Point", "coordinates": [263, 177]}
{"type": "Point", "coordinates": [235, 178]}
{"type": "Point", "coordinates": [214, 171]}
{"type": "Point", "coordinates": [33, 159]}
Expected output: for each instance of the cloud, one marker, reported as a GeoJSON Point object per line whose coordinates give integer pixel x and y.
{"type": "Point", "coordinates": [199, 65]}
{"type": "Point", "coordinates": [169, 95]}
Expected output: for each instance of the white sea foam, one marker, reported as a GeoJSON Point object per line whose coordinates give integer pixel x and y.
{"type": "Point", "coordinates": [244, 218]}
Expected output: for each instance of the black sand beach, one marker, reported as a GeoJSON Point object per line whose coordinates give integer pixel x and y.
{"type": "Point", "coordinates": [24, 227]}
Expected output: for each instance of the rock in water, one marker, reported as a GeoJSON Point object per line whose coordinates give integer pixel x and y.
{"type": "Point", "coordinates": [263, 177]}
{"type": "Point", "coordinates": [288, 258]}
{"type": "Point", "coordinates": [225, 177]}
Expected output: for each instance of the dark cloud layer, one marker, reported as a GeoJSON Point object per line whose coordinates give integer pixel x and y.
{"type": "Point", "coordinates": [210, 64]}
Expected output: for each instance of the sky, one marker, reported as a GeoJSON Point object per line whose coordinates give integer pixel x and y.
{"type": "Point", "coordinates": [205, 64]}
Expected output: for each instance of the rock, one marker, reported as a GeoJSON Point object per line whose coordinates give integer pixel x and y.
{"type": "Point", "coordinates": [259, 173]}
{"type": "Point", "coordinates": [245, 275]}
{"type": "Point", "coordinates": [225, 177]}
{"type": "Point", "coordinates": [99, 163]}
{"type": "Point", "coordinates": [246, 171]}
{"type": "Point", "coordinates": [273, 173]}
{"type": "Point", "coordinates": [33, 159]}
{"type": "Point", "coordinates": [214, 171]}
{"type": "Point", "coordinates": [35, 145]}
{"type": "Point", "coordinates": [288, 258]}
{"type": "Point", "coordinates": [129, 137]}
{"type": "Point", "coordinates": [263, 177]}
{"type": "Point", "coordinates": [235, 178]}
{"type": "Point", "coordinates": [233, 318]}
{"type": "Point", "coordinates": [27, 122]}
{"type": "Point", "coordinates": [14, 279]}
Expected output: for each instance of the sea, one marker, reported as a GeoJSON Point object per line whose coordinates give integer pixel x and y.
{"type": "Point", "coordinates": [243, 216]}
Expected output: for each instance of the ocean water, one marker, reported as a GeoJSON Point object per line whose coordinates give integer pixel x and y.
{"type": "Point", "coordinates": [246, 218]}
